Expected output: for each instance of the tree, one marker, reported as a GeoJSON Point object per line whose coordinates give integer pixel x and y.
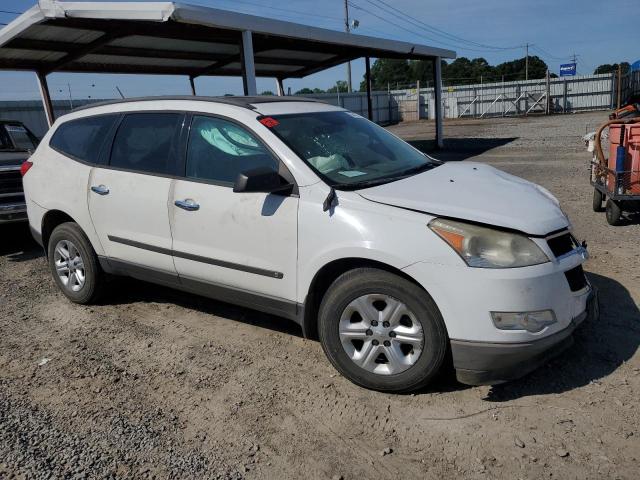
{"type": "Point", "coordinates": [515, 69]}
{"type": "Point", "coordinates": [267, 93]}
{"type": "Point", "coordinates": [462, 71]}
{"type": "Point", "coordinates": [385, 72]}
{"type": "Point", "coordinates": [612, 68]}
{"type": "Point", "coordinates": [308, 91]}
{"type": "Point", "coordinates": [340, 86]}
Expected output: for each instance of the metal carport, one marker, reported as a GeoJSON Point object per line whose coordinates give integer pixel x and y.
{"type": "Point", "coordinates": [176, 39]}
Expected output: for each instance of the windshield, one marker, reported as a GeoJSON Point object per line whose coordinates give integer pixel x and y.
{"type": "Point", "coordinates": [346, 150]}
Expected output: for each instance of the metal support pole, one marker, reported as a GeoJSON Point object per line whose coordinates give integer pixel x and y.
{"type": "Point", "coordinates": [619, 85]}
{"type": "Point", "coordinates": [347, 29]}
{"type": "Point", "coordinates": [367, 63]}
{"type": "Point", "coordinates": [526, 64]}
{"type": "Point", "coordinates": [193, 86]}
{"type": "Point", "coordinates": [548, 92]}
{"type": "Point", "coordinates": [279, 87]}
{"type": "Point", "coordinates": [437, 88]}
{"type": "Point", "coordinates": [46, 98]}
{"type": "Point", "coordinates": [248, 65]}
{"type": "Point", "coordinates": [389, 102]}
{"type": "Point", "coordinates": [418, 100]}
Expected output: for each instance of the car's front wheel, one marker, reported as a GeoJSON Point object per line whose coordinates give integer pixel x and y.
{"type": "Point", "coordinates": [382, 331]}
{"type": "Point", "coordinates": [74, 264]}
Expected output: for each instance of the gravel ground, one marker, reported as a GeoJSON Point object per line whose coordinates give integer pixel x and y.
{"type": "Point", "coordinates": [156, 383]}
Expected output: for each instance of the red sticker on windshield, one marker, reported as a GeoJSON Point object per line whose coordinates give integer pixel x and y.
{"type": "Point", "coordinates": [269, 122]}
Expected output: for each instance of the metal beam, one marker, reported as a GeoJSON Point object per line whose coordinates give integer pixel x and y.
{"type": "Point", "coordinates": [193, 86]}
{"type": "Point", "coordinates": [331, 62]}
{"type": "Point", "coordinates": [437, 78]}
{"type": "Point", "coordinates": [367, 77]}
{"type": "Point", "coordinates": [46, 97]}
{"type": "Point", "coordinates": [280, 87]}
{"type": "Point", "coordinates": [248, 65]}
{"type": "Point", "coordinates": [84, 50]}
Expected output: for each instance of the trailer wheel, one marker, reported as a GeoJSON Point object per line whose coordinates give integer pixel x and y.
{"type": "Point", "coordinates": [598, 198]}
{"type": "Point", "coordinates": [614, 213]}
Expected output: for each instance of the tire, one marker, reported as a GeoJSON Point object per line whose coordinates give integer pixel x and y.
{"type": "Point", "coordinates": [409, 366]}
{"type": "Point", "coordinates": [598, 198]}
{"type": "Point", "coordinates": [614, 213]}
{"type": "Point", "coordinates": [86, 284]}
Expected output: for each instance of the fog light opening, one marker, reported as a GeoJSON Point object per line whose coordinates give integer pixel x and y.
{"type": "Point", "coordinates": [530, 321]}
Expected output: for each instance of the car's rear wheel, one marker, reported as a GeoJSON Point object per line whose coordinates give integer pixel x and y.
{"type": "Point", "coordinates": [382, 331]}
{"type": "Point", "coordinates": [74, 264]}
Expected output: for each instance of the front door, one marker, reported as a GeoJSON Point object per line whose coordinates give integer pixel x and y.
{"type": "Point", "coordinates": [128, 197]}
{"type": "Point", "coordinates": [244, 243]}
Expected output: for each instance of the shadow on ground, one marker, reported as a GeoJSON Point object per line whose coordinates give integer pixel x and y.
{"type": "Point", "coordinates": [600, 347]}
{"type": "Point", "coordinates": [456, 149]}
{"type": "Point", "coordinates": [125, 290]}
{"type": "Point", "coordinates": [17, 244]}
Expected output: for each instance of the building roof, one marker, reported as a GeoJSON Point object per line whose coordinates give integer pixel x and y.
{"type": "Point", "coordinates": [172, 38]}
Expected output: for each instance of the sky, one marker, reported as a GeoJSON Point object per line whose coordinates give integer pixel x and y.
{"type": "Point", "coordinates": [597, 32]}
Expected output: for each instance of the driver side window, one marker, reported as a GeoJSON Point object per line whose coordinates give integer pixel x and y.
{"type": "Point", "coordinates": [219, 150]}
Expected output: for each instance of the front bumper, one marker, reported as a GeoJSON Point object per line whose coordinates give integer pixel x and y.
{"type": "Point", "coordinates": [483, 363]}
{"type": "Point", "coordinates": [13, 212]}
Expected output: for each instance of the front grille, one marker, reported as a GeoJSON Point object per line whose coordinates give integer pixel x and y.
{"type": "Point", "coordinates": [10, 182]}
{"type": "Point", "coordinates": [561, 244]}
{"type": "Point", "coordinates": [576, 278]}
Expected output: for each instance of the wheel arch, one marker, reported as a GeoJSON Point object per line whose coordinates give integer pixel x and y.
{"type": "Point", "coordinates": [326, 275]}
{"type": "Point", "coordinates": [50, 221]}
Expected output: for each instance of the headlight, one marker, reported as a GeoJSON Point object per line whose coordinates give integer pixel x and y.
{"type": "Point", "coordinates": [487, 248]}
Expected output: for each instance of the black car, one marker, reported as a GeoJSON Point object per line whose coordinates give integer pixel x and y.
{"type": "Point", "coordinates": [17, 143]}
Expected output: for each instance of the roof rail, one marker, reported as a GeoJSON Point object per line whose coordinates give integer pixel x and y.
{"type": "Point", "coordinates": [239, 101]}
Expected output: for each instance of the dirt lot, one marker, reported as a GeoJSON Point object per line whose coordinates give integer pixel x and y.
{"type": "Point", "coordinates": [155, 383]}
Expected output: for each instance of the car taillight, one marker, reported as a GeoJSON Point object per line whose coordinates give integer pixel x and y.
{"type": "Point", "coordinates": [24, 168]}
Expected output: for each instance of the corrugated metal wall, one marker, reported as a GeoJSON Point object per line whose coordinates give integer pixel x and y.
{"type": "Point", "coordinates": [383, 110]}
{"type": "Point", "coordinates": [567, 95]}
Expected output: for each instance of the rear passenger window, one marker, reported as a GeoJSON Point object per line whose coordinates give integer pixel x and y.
{"type": "Point", "coordinates": [219, 150]}
{"type": "Point", "coordinates": [147, 142]}
{"type": "Point", "coordinates": [82, 138]}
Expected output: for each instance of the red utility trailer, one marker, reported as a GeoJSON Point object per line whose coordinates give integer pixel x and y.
{"type": "Point", "coordinates": [617, 179]}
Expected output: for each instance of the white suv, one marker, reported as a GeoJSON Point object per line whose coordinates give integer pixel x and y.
{"type": "Point", "coordinates": [313, 213]}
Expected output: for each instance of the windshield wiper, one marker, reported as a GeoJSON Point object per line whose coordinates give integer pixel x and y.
{"type": "Point", "coordinates": [416, 169]}
{"type": "Point", "coordinates": [381, 181]}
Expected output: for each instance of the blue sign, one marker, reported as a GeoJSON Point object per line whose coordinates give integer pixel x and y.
{"type": "Point", "coordinates": [567, 69]}
{"type": "Point", "coordinates": [635, 66]}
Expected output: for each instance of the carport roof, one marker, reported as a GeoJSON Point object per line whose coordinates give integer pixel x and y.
{"type": "Point", "coordinates": [172, 38]}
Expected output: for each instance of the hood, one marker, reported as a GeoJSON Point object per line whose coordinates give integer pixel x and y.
{"type": "Point", "coordinates": [476, 192]}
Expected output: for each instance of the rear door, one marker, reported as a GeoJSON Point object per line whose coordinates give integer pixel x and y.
{"type": "Point", "coordinates": [128, 196]}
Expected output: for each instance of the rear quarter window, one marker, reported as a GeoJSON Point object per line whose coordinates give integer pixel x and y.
{"type": "Point", "coordinates": [83, 138]}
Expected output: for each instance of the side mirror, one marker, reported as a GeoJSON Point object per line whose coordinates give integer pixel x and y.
{"type": "Point", "coordinates": [261, 179]}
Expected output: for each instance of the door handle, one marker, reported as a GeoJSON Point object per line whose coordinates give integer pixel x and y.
{"type": "Point", "coordinates": [100, 190]}
{"type": "Point", "coordinates": [187, 204]}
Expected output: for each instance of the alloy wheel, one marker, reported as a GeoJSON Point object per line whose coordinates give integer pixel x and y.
{"type": "Point", "coordinates": [380, 334]}
{"type": "Point", "coordinates": [69, 265]}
